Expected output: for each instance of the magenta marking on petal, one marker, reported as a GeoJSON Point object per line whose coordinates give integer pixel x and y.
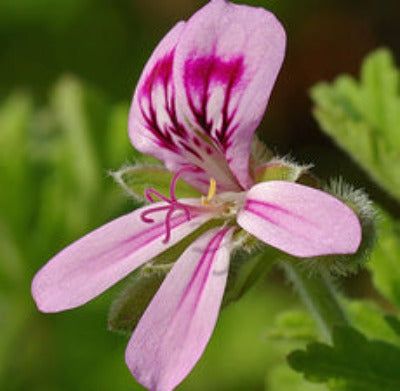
{"type": "Point", "coordinates": [204, 74]}
{"type": "Point", "coordinates": [143, 238]}
{"type": "Point", "coordinates": [191, 150]}
{"type": "Point", "coordinates": [266, 205]}
{"type": "Point", "coordinates": [260, 214]}
{"type": "Point", "coordinates": [161, 75]}
{"type": "Point", "coordinates": [263, 213]}
{"type": "Point", "coordinates": [205, 261]}
{"type": "Point", "coordinates": [196, 141]}
{"type": "Point", "coordinates": [209, 150]}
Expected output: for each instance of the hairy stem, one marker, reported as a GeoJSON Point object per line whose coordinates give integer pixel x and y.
{"type": "Point", "coordinates": [319, 295]}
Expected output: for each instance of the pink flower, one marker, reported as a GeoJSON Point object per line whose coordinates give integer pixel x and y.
{"type": "Point", "coordinates": [197, 104]}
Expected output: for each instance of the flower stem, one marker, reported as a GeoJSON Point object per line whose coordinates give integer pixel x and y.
{"type": "Point", "coordinates": [319, 296]}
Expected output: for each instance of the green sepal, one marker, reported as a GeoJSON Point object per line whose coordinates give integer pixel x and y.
{"type": "Point", "coordinates": [282, 170]}
{"type": "Point", "coordinates": [248, 263]}
{"type": "Point", "coordinates": [136, 179]}
{"type": "Point", "coordinates": [346, 264]}
{"type": "Point", "coordinates": [128, 308]}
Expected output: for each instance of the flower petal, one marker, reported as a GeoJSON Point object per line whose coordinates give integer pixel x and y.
{"type": "Point", "coordinates": [154, 128]}
{"type": "Point", "coordinates": [225, 66]}
{"type": "Point", "coordinates": [204, 90]}
{"type": "Point", "coordinates": [300, 220]}
{"type": "Point", "coordinates": [98, 260]}
{"type": "Point", "coordinates": [174, 330]}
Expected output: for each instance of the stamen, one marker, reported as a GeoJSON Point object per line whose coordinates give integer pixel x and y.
{"type": "Point", "coordinates": [168, 226]}
{"type": "Point", "coordinates": [173, 203]}
{"type": "Point", "coordinates": [211, 192]}
{"type": "Point", "coordinates": [174, 181]}
{"type": "Point", "coordinates": [150, 191]}
{"type": "Point", "coordinates": [212, 189]}
{"type": "Point", "coordinates": [144, 214]}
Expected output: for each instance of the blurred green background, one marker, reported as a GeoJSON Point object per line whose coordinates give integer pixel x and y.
{"type": "Point", "coordinates": [67, 73]}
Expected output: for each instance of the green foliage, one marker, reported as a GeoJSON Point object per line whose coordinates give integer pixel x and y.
{"type": "Point", "coordinates": [370, 319]}
{"type": "Point", "coordinates": [353, 363]}
{"type": "Point", "coordinates": [364, 117]}
{"type": "Point", "coordinates": [283, 378]}
{"type": "Point", "coordinates": [319, 295]}
{"type": "Point", "coordinates": [54, 188]}
{"type": "Point", "coordinates": [385, 260]}
{"type": "Point", "coordinates": [394, 323]}
{"type": "Point", "coordinates": [294, 325]}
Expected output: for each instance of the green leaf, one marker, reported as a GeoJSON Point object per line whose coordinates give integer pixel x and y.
{"type": "Point", "coordinates": [363, 117]}
{"type": "Point", "coordinates": [282, 378]}
{"type": "Point", "coordinates": [394, 323]}
{"type": "Point", "coordinates": [366, 316]}
{"type": "Point", "coordinates": [294, 325]}
{"type": "Point", "coordinates": [135, 180]}
{"type": "Point", "coordinates": [385, 261]}
{"type": "Point", "coordinates": [352, 363]}
{"type": "Point", "coordinates": [370, 319]}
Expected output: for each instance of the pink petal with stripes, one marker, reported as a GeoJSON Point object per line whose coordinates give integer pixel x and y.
{"type": "Point", "coordinates": [98, 260]}
{"type": "Point", "coordinates": [300, 220]}
{"type": "Point", "coordinates": [204, 91]}
{"type": "Point", "coordinates": [154, 128]}
{"type": "Point", "coordinates": [225, 66]}
{"type": "Point", "coordinates": [174, 330]}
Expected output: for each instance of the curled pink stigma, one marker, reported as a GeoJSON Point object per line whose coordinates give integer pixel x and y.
{"type": "Point", "coordinates": [144, 214]}
{"type": "Point", "coordinates": [176, 177]}
{"type": "Point", "coordinates": [149, 192]}
{"type": "Point", "coordinates": [173, 203]}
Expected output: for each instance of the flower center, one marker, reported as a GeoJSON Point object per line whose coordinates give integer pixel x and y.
{"type": "Point", "coordinates": [172, 204]}
{"type": "Point", "coordinates": [225, 204]}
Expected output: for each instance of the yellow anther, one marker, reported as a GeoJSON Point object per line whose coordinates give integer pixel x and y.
{"type": "Point", "coordinates": [211, 192]}
{"type": "Point", "coordinates": [212, 189]}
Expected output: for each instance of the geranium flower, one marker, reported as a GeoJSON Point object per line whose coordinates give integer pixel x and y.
{"type": "Point", "coordinates": [197, 104]}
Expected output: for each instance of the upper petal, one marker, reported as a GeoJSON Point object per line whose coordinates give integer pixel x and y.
{"type": "Point", "coordinates": [154, 128]}
{"type": "Point", "coordinates": [300, 220]}
{"type": "Point", "coordinates": [225, 66]}
{"type": "Point", "coordinates": [174, 330]}
{"type": "Point", "coordinates": [98, 260]}
{"type": "Point", "coordinates": [204, 90]}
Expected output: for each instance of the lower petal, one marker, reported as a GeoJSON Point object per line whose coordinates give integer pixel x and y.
{"type": "Point", "coordinates": [300, 220]}
{"type": "Point", "coordinates": [98, 260]}
{"type": "Point", "coordinates": [174, 330]}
